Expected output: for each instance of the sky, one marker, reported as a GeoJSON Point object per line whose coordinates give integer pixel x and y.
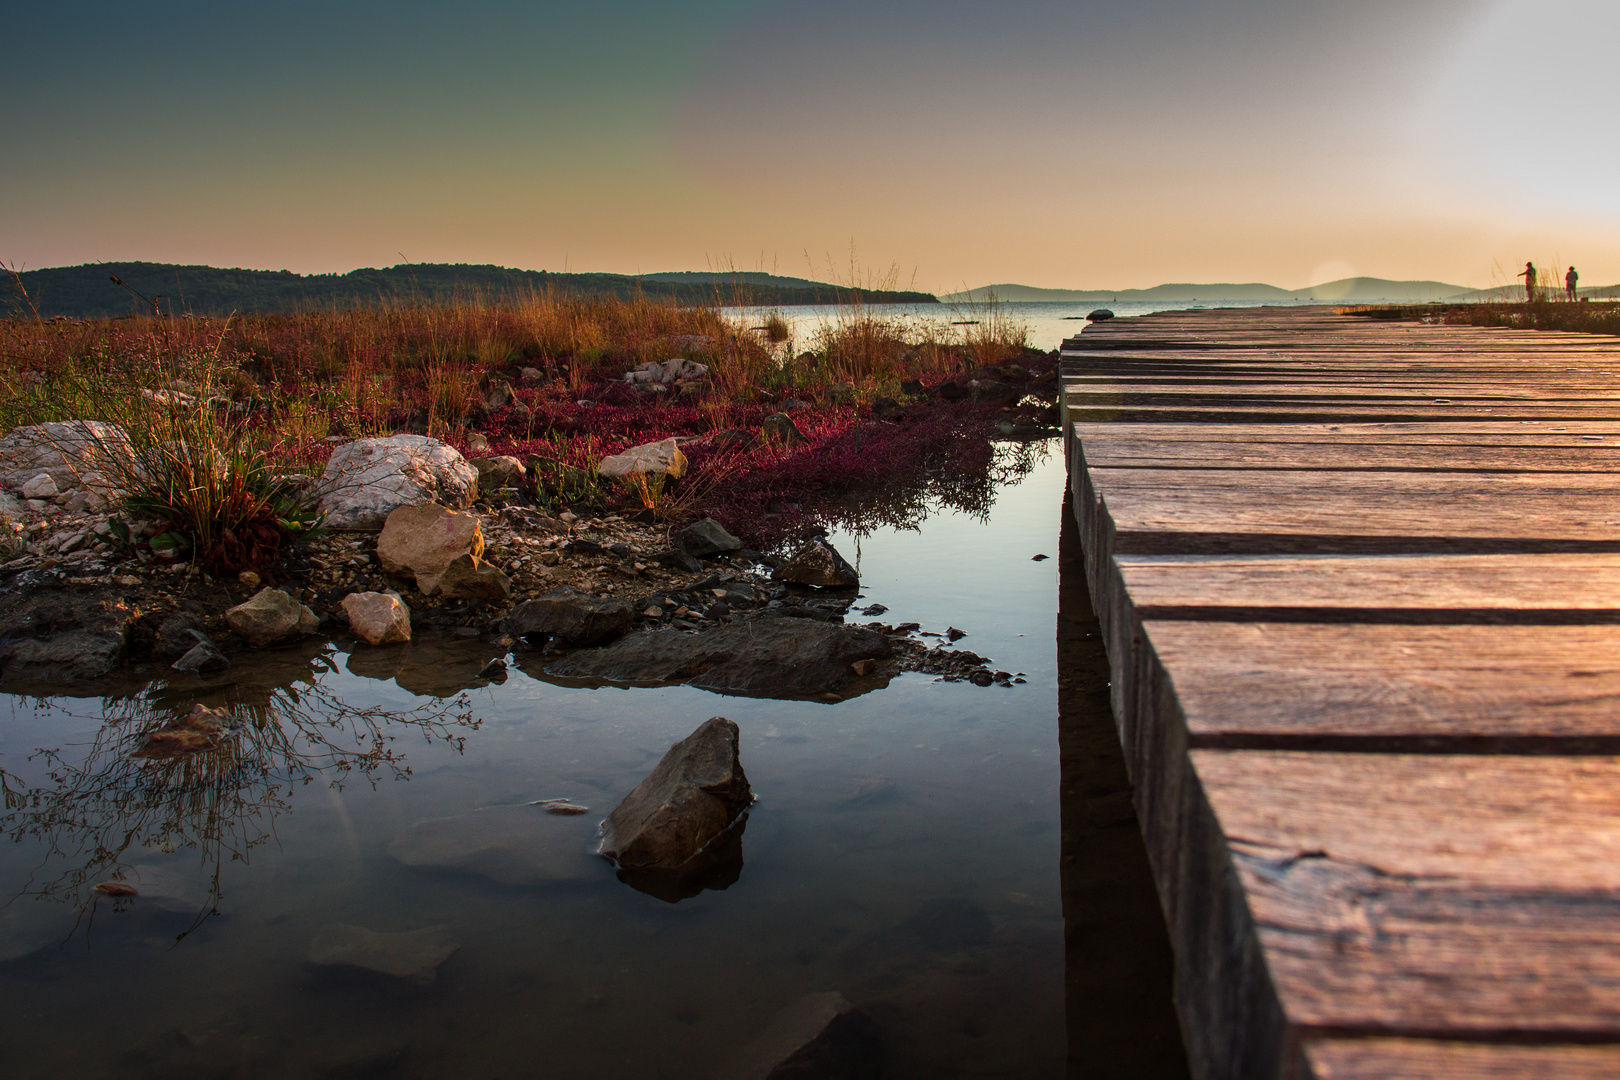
{"type": "Point", "coordinates": [938, 145]}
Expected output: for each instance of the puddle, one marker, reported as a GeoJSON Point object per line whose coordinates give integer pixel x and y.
{"type": "Point", "coordinates": [362, 880]}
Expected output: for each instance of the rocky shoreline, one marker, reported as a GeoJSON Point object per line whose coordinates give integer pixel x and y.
{"type": "Point", "coordinates": [91, 594]}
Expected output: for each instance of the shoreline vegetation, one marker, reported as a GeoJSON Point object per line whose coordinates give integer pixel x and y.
{"type": "Point", "coordinates": [1545, 313]}
{"type": "Point", "coordinates": [89, 291]}
{"type": "Point", "coordinates": [879, 411]}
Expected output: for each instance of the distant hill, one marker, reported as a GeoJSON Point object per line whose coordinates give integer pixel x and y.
{"type": "Point", "coordinates": [1357, 289]}
{"type": "Point", "coordinates": [701, 277]}
{"type": "Point", "coordinates": [1516, 292]}
{"type": "Point", "coordinates": [87, 291]}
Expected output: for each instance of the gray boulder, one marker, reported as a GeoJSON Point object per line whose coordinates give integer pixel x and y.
{"type": "Point", "coordinates": [692, 796]}
{"type": "Point", "coordinates": [578, 618]}
{"type": "Point", "coordinates": [663, 457]}
{"type": "Point", "coordinates": [368, 478]}
{"type": "Point", "coordinates": [706, 537]}
{"type": "Point", "coordinates": [271, 616]}
{"type": "Point", "coordinates": [413, 956]}
{"type": "Point", "coordinates": [819, 1037]}
{"type": "Point", "coordinates": [818, 563]}
{"type": "Point", "coordinates": [788, 658]}
{"type": "Point", "coordinates": [73, 453]}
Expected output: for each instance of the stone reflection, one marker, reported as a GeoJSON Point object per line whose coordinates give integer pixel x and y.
{"type": "Point", "coordinates": [717, 867]}
{"type": "Point", "coordinates": [207, 770]}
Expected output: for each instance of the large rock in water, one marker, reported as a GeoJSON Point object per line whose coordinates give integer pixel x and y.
{"type": "Point", "coordinates": [578, 618]}
{"type": "Point", "coordinates": [423, 540]}
{"type": "Point", "coordinates": [378, 618]}
{"type": "Point", "coordinates": [662, 457]}
{"type": "Point", "coordinates": [790, 658]}
{"type": "Point", "coordinates": [706, 537]}
{"type": "Point", "coordinates": [818, 563]}
{"type": "Point", "coordinates": [271, 616]}
{"type": "Point", "coordinates": [819, 1037]}
{"type": "Point", "coordinates": [692, 796]}
{"type": "Point", "coordinates": [413, 956]}
{"type": "Point", "coordinates": [367, 479]}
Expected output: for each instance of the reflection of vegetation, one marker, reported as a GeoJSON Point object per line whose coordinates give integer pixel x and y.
{"type": "Point", "coordinates": [966, 482]}
{"type": "Point", "coordinates": [119, 801]}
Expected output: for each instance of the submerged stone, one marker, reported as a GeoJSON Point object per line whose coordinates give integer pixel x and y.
{"type": "Point", "coordinates": [413, 956]}
{"type": "Point", "coordinates": [819, 1037]}
{"type": "Point", "coordinates": [514, 845]}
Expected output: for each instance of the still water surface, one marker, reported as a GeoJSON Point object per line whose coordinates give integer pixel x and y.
{"type": "Point", "coordinates": [904, 851]}
{"type": "Point", "coordinates": [1046, 322]}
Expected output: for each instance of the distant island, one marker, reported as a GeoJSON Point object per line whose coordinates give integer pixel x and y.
{"type": "Point", "coordinates": [1346, 290]}
{"type": "Point", "coordinates": [87, 291]}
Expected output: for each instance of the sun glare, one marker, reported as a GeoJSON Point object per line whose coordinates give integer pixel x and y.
{"type": "Point", "coordinates": [1527, 104]}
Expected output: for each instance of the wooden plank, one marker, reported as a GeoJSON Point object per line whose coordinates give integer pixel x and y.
{"type": "Point", "coordinates": [1389, 687]}
{"type": "Point", "coordinates": [1591, 456]}
{"type": "Point", "coordinates": [1542, 589]}
{"type": "Point", "coordinates": [1216, 511]}
{"type": "Point", "coordinates": [1307, 535]}
{"type": "Point", "coordinates": [1430, 1059]}
{"type": "Point", "coordinates": [1456, 433]}
{"type": "Point", "coordinates": [1099, 410]}
{"type": "Point", "coordinates": [1474, 897]}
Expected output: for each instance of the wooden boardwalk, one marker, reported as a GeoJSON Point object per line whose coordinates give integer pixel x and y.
{"type": "Point", "coordinates": [1360, 587]}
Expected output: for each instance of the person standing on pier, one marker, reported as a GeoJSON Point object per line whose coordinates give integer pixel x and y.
{"type": "Point", "coordinates": [1529, 275]}
{"type": "Point", "coordinates": [1571, 279]}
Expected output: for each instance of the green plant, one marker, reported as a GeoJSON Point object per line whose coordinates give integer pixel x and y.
{"type": "Point", "coordinates": [178, 453]}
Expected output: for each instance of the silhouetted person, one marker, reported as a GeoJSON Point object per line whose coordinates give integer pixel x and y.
{"type": "Point", "coordinates": [1571, 280]}
{"type": "Point", "coordinates": [1529, 275]}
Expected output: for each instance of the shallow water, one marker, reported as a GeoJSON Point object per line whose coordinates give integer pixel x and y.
{"type": "Point", "coordinates": [1047, 322]}
{"type": "Point", "coordinates": [905, 850]}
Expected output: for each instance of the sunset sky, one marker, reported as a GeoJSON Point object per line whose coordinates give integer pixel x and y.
{"type": "Point", "coordinates": [1058, 143]}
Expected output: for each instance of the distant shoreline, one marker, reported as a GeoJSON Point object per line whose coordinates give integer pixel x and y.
{"type": "Point", "coordinates": [87, 291]}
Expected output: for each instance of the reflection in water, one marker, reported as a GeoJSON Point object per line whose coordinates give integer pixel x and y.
{"type": "Point", "coordinates": [163, 775]}
{"type": "Point", "coordinates": [966, 479]}
{"type": "Point", "coordinates": [1117, 951]}
{"type": "Point", "coordinates": [716, 867]}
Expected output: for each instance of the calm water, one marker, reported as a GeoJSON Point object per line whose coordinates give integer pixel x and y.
{"type": "Point", "coordinates": [1048, 323]}
{"type": "Point", "coordinates": [904, 850]}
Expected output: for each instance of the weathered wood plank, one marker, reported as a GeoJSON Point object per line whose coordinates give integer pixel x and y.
{"type": "Point", "coordinates": [1422, 895]}
{"type": "Point", "coordinates": [1591, 456]}
{"type": "Point", "coordinates": [1430, 1059]}
{"type": "Point", "coordinates": [1390, 687]}
{"type": "Point", "coordinates": [1458, 433]}
{"type": "Point", "coordinates": [1216, 511]}
{"type": "Point", "coordinates": [1546, 589]}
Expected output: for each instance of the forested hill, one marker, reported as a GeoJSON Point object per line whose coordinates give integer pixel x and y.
{"type": "Point", "coordinates": [88, 292]}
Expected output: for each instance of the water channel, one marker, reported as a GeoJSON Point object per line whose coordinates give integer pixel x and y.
{"type": "Point", "coordinates": [960, 862]}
